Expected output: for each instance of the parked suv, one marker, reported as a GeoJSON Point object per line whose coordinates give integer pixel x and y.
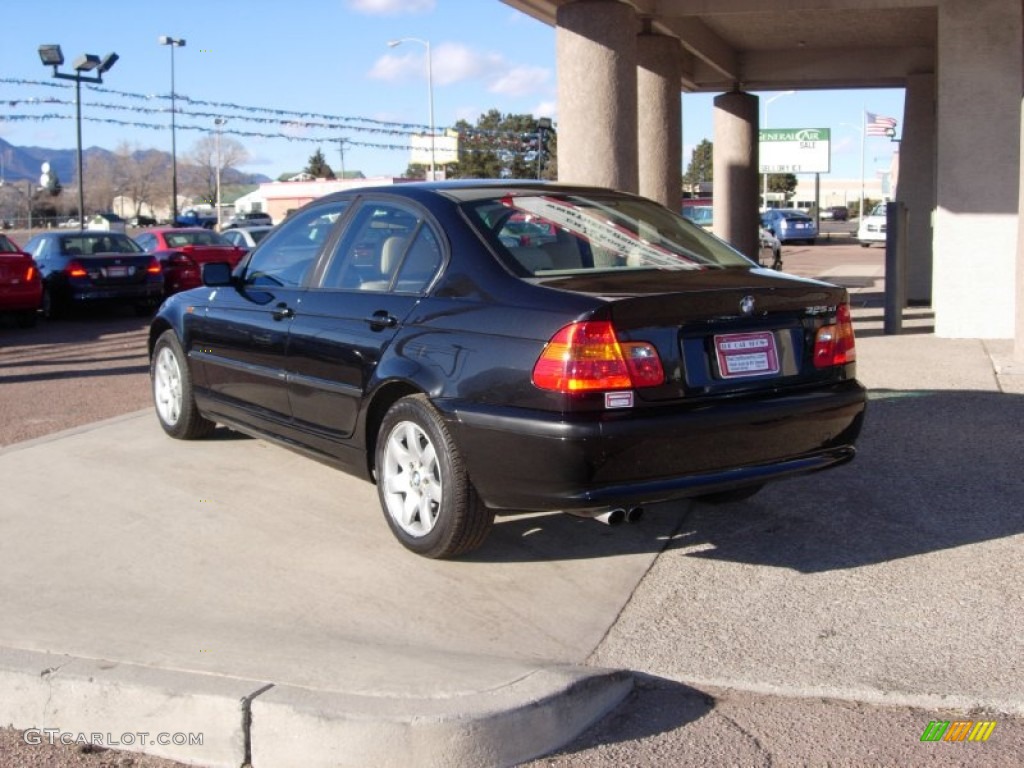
{"type": "Point", "coordinates": [250, 219]}
{"type": "Point", "coordinates": [872, 227]}
{"type": "Point", "coordinates": [835, 213]}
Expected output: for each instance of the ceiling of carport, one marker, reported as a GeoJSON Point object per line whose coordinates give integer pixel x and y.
{"type": "Point", "coordinates": [761, 45]}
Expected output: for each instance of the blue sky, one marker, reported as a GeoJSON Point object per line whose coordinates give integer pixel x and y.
{"type": "Point", "coordinates": [275, 61]}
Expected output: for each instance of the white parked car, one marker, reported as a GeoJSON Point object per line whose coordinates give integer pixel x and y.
{"type": "Point", "coordinates": [872, 227]}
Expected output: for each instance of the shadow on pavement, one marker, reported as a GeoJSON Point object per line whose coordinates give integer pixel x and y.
{"type": "Point", "coordinates": [935, 470]}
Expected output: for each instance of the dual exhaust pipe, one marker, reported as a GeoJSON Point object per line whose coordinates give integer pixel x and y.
{"type": "Point", "coordinates": [614, 516]}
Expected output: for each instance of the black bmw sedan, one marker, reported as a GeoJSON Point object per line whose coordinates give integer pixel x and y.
{"type": "Point", "coordinates": [408, 335]}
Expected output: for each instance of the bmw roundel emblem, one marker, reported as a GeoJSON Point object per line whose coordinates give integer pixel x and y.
{"type": "Point", "coordinates": [747, 305]}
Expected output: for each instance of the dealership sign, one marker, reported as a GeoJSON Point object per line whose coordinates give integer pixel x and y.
{"type": "Point", "coordinates": [794, 150]}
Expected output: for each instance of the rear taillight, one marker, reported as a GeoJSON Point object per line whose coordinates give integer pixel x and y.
{"type": "Point", "coordinates": [587, 357]}
{"type": "Point", "coordinates": [834, 344]}
{"type": "Point", "coordinates": [30, 273]}
{"type": "Point", "coordinates": [153, 267]}
{"type": "Point", "coordinates": [75, 269]}
{"type": "Point", "coordinates": [180, 260]}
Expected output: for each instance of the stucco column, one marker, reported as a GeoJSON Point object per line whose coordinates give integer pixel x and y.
{"type": "Point", "coordinates": [916, 185]}
{"type": "Point", "coordinates": [736, 171]}
{"type": "Point", "coordinates": [659, 119]}
{"type": "Point", "coordinates": [978, 149]}
{"type": "Point", "coordinates": [595, 45]}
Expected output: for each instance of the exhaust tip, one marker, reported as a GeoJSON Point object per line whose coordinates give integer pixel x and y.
{"type": "Point", "coordinates": [635, 514]}
{"type": "Point", "coordinates": [612, 516]}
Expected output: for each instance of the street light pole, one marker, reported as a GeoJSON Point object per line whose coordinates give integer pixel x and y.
{"type": "Point", "coordinates": [52, 56]}
{"type": "Point", "coordinates": [218, 121]}
{"type": "Point", "coordinates": [430, 92]}
{"type": "Point", "coordinates": [173, 43]}
{"type": "Point", "coordinates": [764, 199]}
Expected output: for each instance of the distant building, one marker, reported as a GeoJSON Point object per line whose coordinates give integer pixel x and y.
{"type": "Point", "coordinates": [279, 198]}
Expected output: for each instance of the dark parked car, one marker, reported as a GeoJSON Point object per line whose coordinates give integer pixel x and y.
{"type": "Point", "coordinates": [183, 251]}
{"type": "Point", "coordinates": [21, 287]}
{"type": "Point", "coordinates": [90, 266]}
{"type": "Point", "coordinates": [789, 225]}
{"type": "Point", "coordinates": [398, 334]}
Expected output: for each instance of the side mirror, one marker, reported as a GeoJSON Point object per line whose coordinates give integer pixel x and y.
{"type": "Point", "coordinates": [216, 274]}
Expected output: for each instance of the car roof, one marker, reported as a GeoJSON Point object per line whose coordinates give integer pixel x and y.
{"type": "Point", "coordinates": [464, 190]}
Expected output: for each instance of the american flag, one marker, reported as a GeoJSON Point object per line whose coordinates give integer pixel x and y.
{"type": "Point", "coordinates": [879, 125]}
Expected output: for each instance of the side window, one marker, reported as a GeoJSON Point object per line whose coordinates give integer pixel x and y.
{"type": "Point", "coordinates": [386, 243]}
{"type": "Point", "coordinates": [284, 258]}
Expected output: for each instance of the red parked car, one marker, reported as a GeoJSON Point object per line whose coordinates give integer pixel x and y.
{"type": "Point", "coordinates": [183, 251]}
{"type": "Point", "coordinates": [21, 287]}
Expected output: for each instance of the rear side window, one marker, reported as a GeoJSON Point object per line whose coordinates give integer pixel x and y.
{"type": "Point", "coordinates": [388, 246]}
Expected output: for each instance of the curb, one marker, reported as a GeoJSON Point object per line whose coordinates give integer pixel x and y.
{"type": "Point", "coordinates": [222, 721]}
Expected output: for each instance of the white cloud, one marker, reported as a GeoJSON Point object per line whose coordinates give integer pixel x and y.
{"type": "Point", "coordinates": [453, 63]}
{"type": "Point", "coordinates": [519, 81]}
{"type": "Point", "coordinates": [391, 7]}
{"type": "Point", "coordinates": [546, 108]}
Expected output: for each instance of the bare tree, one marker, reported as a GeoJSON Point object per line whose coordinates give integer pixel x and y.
{"type": "Point", "coordinates": [100, 183]}
{"type": "Point", "coordinates": [201, 172]}
{"type": "Point", "coordinates": [140, 175]}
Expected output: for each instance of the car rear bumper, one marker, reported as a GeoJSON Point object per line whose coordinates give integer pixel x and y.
{"type": "Point", "coordinates": [539, 461]}
{"type": "Point", "coordinates": [21, 298]}
{"type": "Point", "coordinates": [128, 293]}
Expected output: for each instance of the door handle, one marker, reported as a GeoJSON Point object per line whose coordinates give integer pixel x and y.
{"type": "Point", "coordinates": [282, 312]}
{"type": "Point", "coordinates": [382, 319]}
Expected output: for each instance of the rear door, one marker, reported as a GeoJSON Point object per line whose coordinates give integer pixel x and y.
{"type": "Point", "coordinates": [384, 262]}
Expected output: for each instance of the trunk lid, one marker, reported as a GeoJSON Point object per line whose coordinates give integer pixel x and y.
{"type": "Point", "coordinates": [718, 331]}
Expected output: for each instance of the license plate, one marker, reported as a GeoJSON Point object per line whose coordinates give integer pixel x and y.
{"type": "Point", "coordinates": [117, 271]}
{"type": "Point", "coordinates": [746, 354]}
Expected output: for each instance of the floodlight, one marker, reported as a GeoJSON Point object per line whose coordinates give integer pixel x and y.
{"type": "Point", "coordinates": [108, 61]}
{"type": "Point", "coordinates": [86, 62]}
{"type": "Point", "coordinates": [51, 55]}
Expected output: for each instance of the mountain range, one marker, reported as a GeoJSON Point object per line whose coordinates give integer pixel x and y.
{"type": "Point", "coordinates": [19, 163]}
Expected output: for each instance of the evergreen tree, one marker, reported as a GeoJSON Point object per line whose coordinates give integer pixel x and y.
{"type": "Point", "coordinates": [318, 167]}
{"type": "Point", "coordinates": [702, 166]}
{"type": "Point", "coordinates": [503, 147]}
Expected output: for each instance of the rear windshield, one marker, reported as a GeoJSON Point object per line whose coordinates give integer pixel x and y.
{"type": "Point", "coordinates": [205, 237]}
{"type": "Point", "coordinates": [86, 245]}
{"type": "Point", "coordinates": [542, 234]}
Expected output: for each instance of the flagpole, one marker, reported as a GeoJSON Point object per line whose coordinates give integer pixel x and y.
{"type": "Point", "coordinates": [863, 140]}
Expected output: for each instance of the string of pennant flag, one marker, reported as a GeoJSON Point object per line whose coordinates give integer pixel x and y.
{"type": "Point", "coordinates": [475, 140]}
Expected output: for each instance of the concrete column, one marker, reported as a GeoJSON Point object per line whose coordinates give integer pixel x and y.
{"type": "Point", "coordinates": [736, 171]}
{"type": "Point", "coordinates": [595, 45]}
{"type": "Point", "coordinates": [978, 149]}
{"type": "Point", "coordinates": [659, 113]}
{"type": "Point", "coordinates": [916, 185]}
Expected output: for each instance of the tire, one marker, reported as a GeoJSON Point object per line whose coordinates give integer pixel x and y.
{"type": "Point", "coordinates": [173, 396]}
{"type": "Point", "coordinates": [425, 492]}
{"type": "Point", "coordinates": [728, 497]}
{"type": "Point", "coordinates": [865, 245]}
{"type": "Point", "coordinates": [52, 307]}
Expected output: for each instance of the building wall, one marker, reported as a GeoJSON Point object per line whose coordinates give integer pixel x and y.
{"type": "Point", "coordinates": [978, 145]}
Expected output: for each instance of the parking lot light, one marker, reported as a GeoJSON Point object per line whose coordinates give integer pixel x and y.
{"type": "Point", "coordinates": [52, 56]}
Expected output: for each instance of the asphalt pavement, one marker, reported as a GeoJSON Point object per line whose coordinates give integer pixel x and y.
{"type": "Point", "coordinates": [232, 589]}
